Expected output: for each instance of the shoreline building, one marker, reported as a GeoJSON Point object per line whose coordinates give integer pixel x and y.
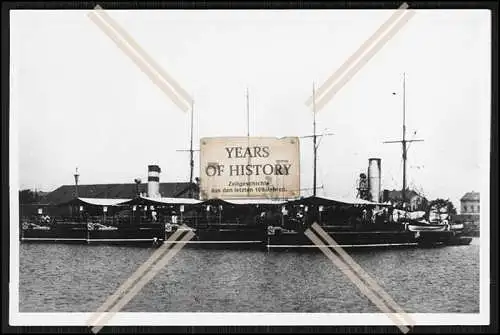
{"type": "Point", "coordinates": [470, 212]}
{"type": "Point", "coordinates": [469, 203]}
{"type": "Point", "coordinates": [415, 200]}
{"type": "Point", "coordinates": [50, 202]}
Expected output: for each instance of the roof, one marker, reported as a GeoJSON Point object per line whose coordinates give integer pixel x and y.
{"type": "Point", "coordinates": [256, 202]}
{"type": "Point", "coordinates": [327, 201]}
{"type": "Point", "coordinates": [397, 195]}
{"type": "Point", "coordinates": [95, 201]}
{"type": "Point", "coordinates": [161, 201]}
{"type": "Point", "coordinates": [470, 196]}
{"type": "Point", "coordinates": [244, 202]}
{"type": "Point", "coordinates": [356, 201]}
{"type": "Point", "coordinates": [65, 193]}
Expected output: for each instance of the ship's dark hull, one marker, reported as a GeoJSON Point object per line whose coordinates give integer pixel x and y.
{"type": "Point", "coordinates": [76, 233]}
{"type": "Point", "coordinates": [246, 237]}
{"type": "Point", "coordinates": [343, 236]}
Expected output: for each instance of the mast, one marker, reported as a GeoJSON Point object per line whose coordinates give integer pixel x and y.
{"type": "Point", "coordinates": [404, 141]}
{"type": "Point", "coordinates": [248, 134]}
{"type": "Point", "coordinates": [191, 151]}
{"type": "Point", "coordinates": [191, 159]}
{"type": "Point", "coordinates": [248, 114]}
{"type": "Point", "coordinates": [314, 140]}
{"type": "Point", "coordinates": [315, 143]}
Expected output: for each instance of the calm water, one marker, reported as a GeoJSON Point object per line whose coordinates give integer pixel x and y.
{"type": "Point", "coordinates": [74, 278]}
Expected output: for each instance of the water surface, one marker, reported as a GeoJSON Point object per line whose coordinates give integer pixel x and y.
{"type": "Point", "coordinates": [79, 278]}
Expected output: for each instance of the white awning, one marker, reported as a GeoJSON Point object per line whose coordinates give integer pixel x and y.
{"type": "Point", "coordinates": [255, 202]}
{"type": "Point", "coordinates": [103, 201]}
{"type": "Point", "coordinates": [173, 201]}
{"type": "Point", "coordinates": [354, 201]}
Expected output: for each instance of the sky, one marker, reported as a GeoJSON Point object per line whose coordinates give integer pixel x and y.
{"type": "Point", "coordinates": [78, 101]}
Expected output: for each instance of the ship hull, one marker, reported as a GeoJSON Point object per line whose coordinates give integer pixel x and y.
{"type": "Point", "coordinates": [340, 236]}
{"type": "Point", "coordinates": [76, 233]}
{"type": "Point", "coordinates": [249, 237]}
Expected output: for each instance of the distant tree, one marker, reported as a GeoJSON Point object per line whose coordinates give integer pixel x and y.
{"type": "Point", "coordinates": [27, 197]}
{"type": "Point", "coordinates": [443, 203]}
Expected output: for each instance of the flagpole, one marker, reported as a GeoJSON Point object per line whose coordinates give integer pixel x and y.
{"type": "Point", "coordinates": [248, 132]}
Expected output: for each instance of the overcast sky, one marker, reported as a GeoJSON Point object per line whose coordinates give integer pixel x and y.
{"type": "Point", "coordinates": [78, 100]}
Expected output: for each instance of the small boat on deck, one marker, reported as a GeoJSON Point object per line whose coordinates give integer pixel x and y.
{"type": "Point", "coordinates": [417, 227]}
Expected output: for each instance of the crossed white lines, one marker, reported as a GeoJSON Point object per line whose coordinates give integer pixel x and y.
{"type": "Point", "coordinates": [132, 49]}
{"type": "Point", "coordinates": [358, 276]}
{"type": "Point", "coordinates": [359, 58]}
{"type": "Point", "coordinates": [156, 262]}
{"type": "Point", "coordinates": [316, 234]}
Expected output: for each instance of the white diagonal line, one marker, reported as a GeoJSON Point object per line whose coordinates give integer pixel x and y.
{"type": "Point", "coordinates": [325, 92]}
{"type": "Point", "coordinates": [369, 55]}
{"type": "Point", "coordinates": [143, 53]}
{"type": "Point", "coordinates": [154, 71]}
{"type": "Point", "coordinates": [358, 53]}
{"type": "Point", "coordinates": [147, 277]}
{"type": "Point", "coordinates": [361, 273]}
{"type": "Point", "coordinates": [148, 273]}
{"type": "Point", "coordinates": [139, 272]}
{"type": "Point", "coordinates": [356, 281]}
{"type": "Point", "coordinates": [134, 277]}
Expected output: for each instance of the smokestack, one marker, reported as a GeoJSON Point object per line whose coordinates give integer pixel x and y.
{"type": "Point", "coordinates": [374, 175]}
{"type": "Point", "coordinates": [76, 175]}
{"type": "Point", "coordinates": [154, 181]}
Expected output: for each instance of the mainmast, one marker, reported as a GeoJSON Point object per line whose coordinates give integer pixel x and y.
{"type": "Point", "coordinates": [248, 113]}
{"type": "Point", "coordinates": [404, 141]}
{"type": "Point", "coordinates": [191, 151]}
{"type": "Point", "coordinates": [191, 156]}
{"type": "Point", "coordinates": [314, 139]}
{"type": "Point", "coordinates": [248, 133]}
{"type": "Point", "coordinates": [315, 142]}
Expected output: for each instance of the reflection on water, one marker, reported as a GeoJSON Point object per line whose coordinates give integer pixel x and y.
{"type": "Point", "coordinates": [78, 278]}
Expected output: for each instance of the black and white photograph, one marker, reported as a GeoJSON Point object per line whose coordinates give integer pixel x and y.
{"type": "Point", "coordinates": [249, 167]}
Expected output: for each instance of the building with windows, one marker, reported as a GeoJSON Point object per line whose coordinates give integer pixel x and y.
{"type": "Point", "coordinates": [469, 213]}
{"type": "Point", "coordinates": [469, 203]}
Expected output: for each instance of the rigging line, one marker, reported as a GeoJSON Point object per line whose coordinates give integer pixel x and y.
{"type": "Point", "coordinates": [318, 166]}
{"type": "Point", "coordinates": [322, 178]}
{"type": "Point", "coordinates": [395, 182]}
{"type": "Point", "coordinates": [410, 143]}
